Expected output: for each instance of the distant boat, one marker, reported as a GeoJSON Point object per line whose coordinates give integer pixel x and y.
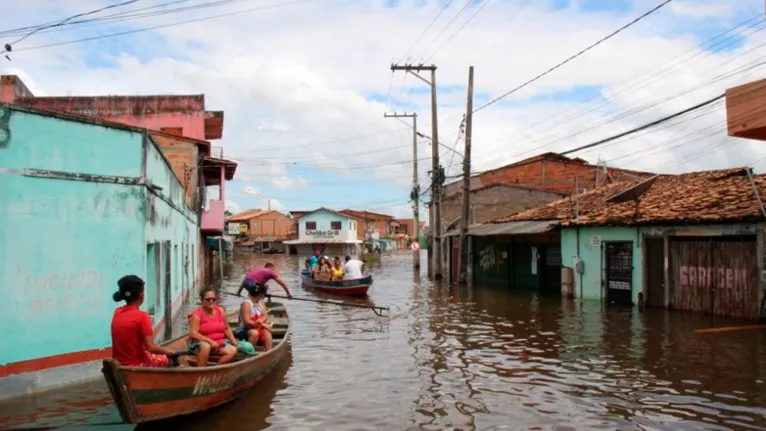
{"type": "Point", "coordinates": [354, 287]}
{"type": "Point", "coordinates": [144, 394]}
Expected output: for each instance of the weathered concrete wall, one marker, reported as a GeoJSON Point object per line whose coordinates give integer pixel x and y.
{"type": "Point", "coordinates": [589, 285]}
{"type": "Point", "coordinates": [65, 241]}
{"type": "Point", "coordinates": [491, 203]}
{"type": "Point", "coordinates": [169, 221]}
{"type": "Point", "coordinates": [75, 216]}
{"type": "Point", "coordinates": [153, 112]}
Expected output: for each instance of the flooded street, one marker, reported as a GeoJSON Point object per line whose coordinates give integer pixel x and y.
{"type": "Point", "coordinates": [476, 359]}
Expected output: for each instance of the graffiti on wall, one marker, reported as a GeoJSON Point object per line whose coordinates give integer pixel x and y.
{"type": "Point", "coordinates": [59, 291]}
{"type": "Point", "coordinates": [700, 276]}
{"type": "Point", "coordinates": [487, 257]}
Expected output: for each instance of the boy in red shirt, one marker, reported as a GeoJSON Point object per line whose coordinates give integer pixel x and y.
{"type": "Point", "coordinates": [132, 335]}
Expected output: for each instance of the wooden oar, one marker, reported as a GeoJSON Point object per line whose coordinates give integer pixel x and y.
{"type": "Point", "coordinates": [377, 310]}
{"type": "Point", "coordinates": [729, 329]}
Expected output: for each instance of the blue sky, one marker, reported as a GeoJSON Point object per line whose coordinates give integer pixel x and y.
{"type": "Point", "coordinates": [304, 87]}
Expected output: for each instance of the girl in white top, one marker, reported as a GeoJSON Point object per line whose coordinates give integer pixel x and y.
{"type": "Point", "coordinates": [253, 324]}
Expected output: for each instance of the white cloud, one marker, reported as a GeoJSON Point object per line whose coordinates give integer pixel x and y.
{"type": "Point", "coordinates": [294, 82]}
{"type": "Point", "coordinates": [232, 206]}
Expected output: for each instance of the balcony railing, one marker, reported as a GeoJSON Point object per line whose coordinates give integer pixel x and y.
{"type": "Point", "coordinates": [216, 152]}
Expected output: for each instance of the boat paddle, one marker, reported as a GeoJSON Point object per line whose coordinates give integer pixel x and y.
{"type": "Point", "coordinates": [375, 309]}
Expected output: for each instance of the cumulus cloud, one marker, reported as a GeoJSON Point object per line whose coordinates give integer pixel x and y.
{"type": "Point", "coordinates": [304, 87]}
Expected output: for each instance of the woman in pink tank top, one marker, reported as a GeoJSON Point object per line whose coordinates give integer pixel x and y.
{"type": "Point", "coordinates": [209, 331]}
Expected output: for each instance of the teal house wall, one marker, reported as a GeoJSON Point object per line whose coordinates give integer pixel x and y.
{"type": "Point", "coordinates": [76, 214]}
{"type": "Point", "coordinates": [576, 243]}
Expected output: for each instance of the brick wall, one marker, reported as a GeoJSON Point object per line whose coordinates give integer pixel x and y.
{"type": "Point", "coordinates": [183, 156]}
{"type": "Point", "coordinates": [553, 175]}
{"type": "Point", "coordinates": [494, 202]}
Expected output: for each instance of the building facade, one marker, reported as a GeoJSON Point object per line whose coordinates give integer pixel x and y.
{"type": "Point", "coordinates": [331, 232]}
{"type": "Point", "coordinates": [494, 201]}
{"type": "Point", "coordinates": [262, 230]}
{"type": "Point", "coordinates": [689, 242]}
{"type": "Point", "coordinates": [179, 125]}
{"type": "Point", "coordinates": [548, 171]}
{"type": "Point", "coordinates": [86, 202]}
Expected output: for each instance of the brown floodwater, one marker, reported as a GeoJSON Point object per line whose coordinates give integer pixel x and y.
{"type": "Point", "coordinates": [476, 358]}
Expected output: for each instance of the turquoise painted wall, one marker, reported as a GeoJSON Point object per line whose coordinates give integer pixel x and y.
{"type": "Point", "coordinates": [67, 242]}
{"type": "Point", "coordinates": [593, 258]}
{"type": "Point", "coordinates": [169, 219]}
{"type": "Point", "coordinates": [323, 219]}
{"type": "Point", "coordinates": [591, 255]}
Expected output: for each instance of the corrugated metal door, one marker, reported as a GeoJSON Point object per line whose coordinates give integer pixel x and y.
{"type": "Point", "coordinates": [552, 272]}
{"type": "Point", "coordinates": [654, 267]}
{"type": "Point", "coordinates": [716, 275]}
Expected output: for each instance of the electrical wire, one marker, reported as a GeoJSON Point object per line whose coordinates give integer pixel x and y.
{"type": "Point", "coordinates": [407, 51]}
{"type": "Point", "coordinates": [172, 24]}
{"type": "Point", "coordinates": [583, 51]}
{"type": "Point", "coordinates": [68, 19]}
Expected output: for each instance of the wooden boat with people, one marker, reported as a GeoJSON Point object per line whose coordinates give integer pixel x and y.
{"type": "Point", "coordinates": [353, 287]}
{"type": "Point", "coordinates": [144, 394]}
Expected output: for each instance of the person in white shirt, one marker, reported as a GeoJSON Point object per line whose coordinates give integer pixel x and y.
{"type": "Point", "coordinates": [353, 269]}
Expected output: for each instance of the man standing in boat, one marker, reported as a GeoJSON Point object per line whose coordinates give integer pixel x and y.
{"type": "Point", "coordinates": [353, 269]}
{"type": "Point", "coordinates": [261, 276]}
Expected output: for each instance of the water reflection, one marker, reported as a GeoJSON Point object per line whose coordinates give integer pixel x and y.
{"type": "Point", "coordinates": [488, 359]}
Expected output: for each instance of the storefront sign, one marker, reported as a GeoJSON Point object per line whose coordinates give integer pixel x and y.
{"type": "Point", "coordinates": [323, 234]}
{"type": "Point", "coordinates": [700, 276]}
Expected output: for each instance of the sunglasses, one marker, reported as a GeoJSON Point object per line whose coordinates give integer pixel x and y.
{"type": "Point", "coordinates": [210, 299]}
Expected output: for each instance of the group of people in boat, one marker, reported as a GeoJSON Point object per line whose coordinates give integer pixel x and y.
{"type": "Point", "coordinates": [209, 331]}
{"type": "Point", "coordinates": [322, 269]}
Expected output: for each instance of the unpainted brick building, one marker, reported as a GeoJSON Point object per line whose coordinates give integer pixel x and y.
{"type": "Point", "coordinates": [494, 201]}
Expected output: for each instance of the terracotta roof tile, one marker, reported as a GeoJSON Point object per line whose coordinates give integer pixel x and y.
{"type": "Point", "coordinates": [246, 215]}
{"type": "Point", "coordinates": [697, 197]}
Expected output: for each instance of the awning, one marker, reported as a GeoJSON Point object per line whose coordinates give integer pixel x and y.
{"type": "Point", "coordinates": [508, 228]}
{"type": "Point", "coordinates": [323, 241]}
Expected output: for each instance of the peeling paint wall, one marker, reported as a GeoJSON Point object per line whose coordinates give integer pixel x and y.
{"type": "Point", "coordinates": [65, 242]}
{"type": "Point", "coordinates": [590, 249]}
{"type": "Point", "coordinates": [75, 216]}
{"type": "Point", "coordinates": [169, 219]}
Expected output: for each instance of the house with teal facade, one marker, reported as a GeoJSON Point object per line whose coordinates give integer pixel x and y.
{"type": "Point", "coordinates": [331, 232]}
{"type": "Point", "coordinates": [83, 202]}
{"type": "Point", "coordinates": [691, 242]}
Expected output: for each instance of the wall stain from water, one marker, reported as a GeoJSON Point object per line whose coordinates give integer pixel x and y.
{"type": "Point", "coordinates": [477, 359]}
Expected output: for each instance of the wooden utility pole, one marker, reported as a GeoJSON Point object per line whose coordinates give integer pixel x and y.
{"type": "Point", "coordinates": [415, 194]}
{"type": "Point", "coordinates": [437, 177]}
{"type": "Point", "coordinates": [466, 182]}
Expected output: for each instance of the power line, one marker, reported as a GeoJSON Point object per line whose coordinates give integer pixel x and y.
{"type": "Point", "coordinates": [140, 30]}
{"type": "Point", "coordinates": [468, 3]}
{"type": "Point", "coordinates": [425, 31]}
{"type": "Point", "coordinates": [70, 18]}
{"type": "Point", "coordinates": [614, 33]}
{"type": "Point", "coordinates": [479, 9]}
{"type": "Point", "coordinates": [705, 49]}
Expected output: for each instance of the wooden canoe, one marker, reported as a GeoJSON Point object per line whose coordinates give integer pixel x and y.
{"type": "Point", "coordinates": [355, 287]}
{"type": "Point", "coordinates": [144, 394]}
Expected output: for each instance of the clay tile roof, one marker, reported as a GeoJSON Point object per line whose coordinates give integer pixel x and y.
{"type": "Point", "coordinates": [697, 197]}
{"type": "Point", "coordinates": [366, 215]}
{"type": "Point", "coordinates": [247, 215]}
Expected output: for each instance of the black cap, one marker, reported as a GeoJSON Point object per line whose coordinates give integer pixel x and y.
{"type": "Point", "coordinates": [130, 287]}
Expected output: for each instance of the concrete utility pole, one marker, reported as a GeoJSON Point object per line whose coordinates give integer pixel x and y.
{"type": "Point", "coordinates": [415, 194]}
{"type": "Point", "coordinates": [466, 182]}
{"type": "Point", "coordinates": [437, 179]}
